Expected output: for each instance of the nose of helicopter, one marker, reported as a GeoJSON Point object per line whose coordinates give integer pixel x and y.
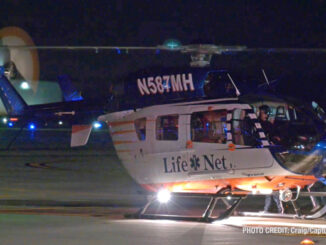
{"type": "Point", "coordinates": [320, 169]}
{"type": "Point", "coordinates": [303, 153]}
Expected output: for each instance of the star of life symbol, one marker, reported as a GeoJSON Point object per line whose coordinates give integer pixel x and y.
{"type": "Point", "coordinates": [195, 162]}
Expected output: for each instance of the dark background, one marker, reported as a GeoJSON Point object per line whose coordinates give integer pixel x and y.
{"type": "Point", "coordinates": [255, 24]}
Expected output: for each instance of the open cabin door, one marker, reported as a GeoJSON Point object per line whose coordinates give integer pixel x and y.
{"type": "Point", "coordinates": [250, 144]}
{"type": "Point", "coordinates": [225, 138]}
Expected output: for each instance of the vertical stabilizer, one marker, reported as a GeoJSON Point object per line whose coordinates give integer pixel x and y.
{"type": "Point", "coordinates": [68, 90]}
{"type": "Point", "coordinates": [13, 102]}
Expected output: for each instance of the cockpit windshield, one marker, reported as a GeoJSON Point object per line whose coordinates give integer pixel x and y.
{"type": "Point", "coordinates": [291, 132]}
{"type": "Point", "coordinates": [319, 111]}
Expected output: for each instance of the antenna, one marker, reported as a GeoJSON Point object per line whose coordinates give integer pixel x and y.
{"type": "Point", "coordinates": [266, 79]}
{"type": "Point", "coordinates": [236, 89]}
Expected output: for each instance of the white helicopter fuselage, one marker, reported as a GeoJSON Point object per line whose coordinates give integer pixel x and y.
{"type": "Point", "coordinates": [153, 159]}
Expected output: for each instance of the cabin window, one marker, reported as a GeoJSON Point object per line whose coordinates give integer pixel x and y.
{"type": "Point", "coordinates": [167, 127]}
{"type": "Point", "coordinates": [209, 126]}
{"type": "Point", "coordinates": [244, 131]}
{"type": "Point", "coordinates": [140, 126]}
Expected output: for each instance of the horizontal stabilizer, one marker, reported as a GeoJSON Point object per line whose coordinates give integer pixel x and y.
{"type": "Point", "coordinates": [13, 102]}
{"type": "Point", "coordinates": [80, 135]}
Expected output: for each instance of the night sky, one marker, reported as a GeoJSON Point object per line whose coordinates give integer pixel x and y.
{"type": "Point", "coordinates": [294, 24]}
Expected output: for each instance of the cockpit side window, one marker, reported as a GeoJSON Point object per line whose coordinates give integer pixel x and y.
{"type": "Point", "coordinates": [218, 84]}
{"type": "Point", "coordinates": [244, 131]}
{"type": "Point", "coordinates": [292, 114]}
{"type": "Point", "coordinates": [140, 126]}
{"type": "Point", "coordinates": [280, 114]}
{"type": "Point", "coordinates": [209, 126]}
{"type": "Point", "coordinates": [167, 127]}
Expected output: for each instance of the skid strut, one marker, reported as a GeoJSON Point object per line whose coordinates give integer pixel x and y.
{"type": "Point", "coordinates": [296, 209]}
{"type": "Point", "coordinates": [317, 214]}
{"type": "Point", "coordinates": [312, 198]}
{"type": "Point", "coordinates": [207, 214]}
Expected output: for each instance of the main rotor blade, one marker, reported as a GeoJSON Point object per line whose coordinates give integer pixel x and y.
{"type": "Point", "coordinates": [286, 50]}
{"type": "Point", "coordinates": [204, 49]}
{"type": "Point", "coordinates": [79, 47]}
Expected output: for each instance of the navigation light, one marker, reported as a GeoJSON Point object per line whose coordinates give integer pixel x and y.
{"type": "Point", "coordinates": [31, 126]}
{"type": "Point", "coordinates": [97, 125]}
{"type": "Point", "coordinates": [172, 43]}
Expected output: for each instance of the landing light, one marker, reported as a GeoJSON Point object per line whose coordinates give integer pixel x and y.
{"type": "Point", "coordinates": [97, 125]}
{"type": "Point", "coordinates": [25, 85]}
{"type": "Point", "coordinates": [60, 122]}
{"type": "Point", "coordinates": [163, 196]}
{"type": "Point", "coordinates": [286, 195]}
{"type": "Point", "coordinates": [4, 120]}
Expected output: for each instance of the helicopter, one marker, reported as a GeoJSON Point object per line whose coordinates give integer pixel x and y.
{"type": "Point", "coordinates": [190, 132]}
{"type": "Point", "coordinates": [216, 144]}
{"type": "Point", "coordinates": [195, 132]}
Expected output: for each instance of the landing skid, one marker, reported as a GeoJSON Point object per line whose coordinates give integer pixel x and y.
{"type": "Point", "coordinates": [318, 214]}
{"type": "Point", "coordinates": [206, 215]}
{"type": "Point", "coordinates": [268, 215]}
{"type": "Point", "coordinates": [298, 214]}
{"type": "Point", "coordinates": [223, 195]}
